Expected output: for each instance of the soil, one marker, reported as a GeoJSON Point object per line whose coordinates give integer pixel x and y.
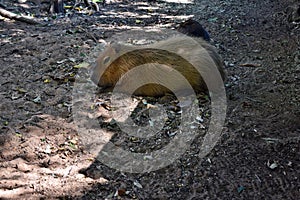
{"type": "Point", "coordinates": [257, 157]}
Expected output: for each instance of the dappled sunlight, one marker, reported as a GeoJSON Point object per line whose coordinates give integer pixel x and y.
{"type": "Point", "coordinates": [180, 1]}
{"type": "Point", "coordinates": [43, 154]}
{"type": "Point", "coordinates": [47, 156]}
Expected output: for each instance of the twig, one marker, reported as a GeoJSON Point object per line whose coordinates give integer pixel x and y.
{"type": "Point", "coordinates": [95, 40]}
{"type": "Point", "coordinates": [250, 65]}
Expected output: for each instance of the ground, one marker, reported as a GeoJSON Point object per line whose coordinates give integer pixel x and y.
{"type": "Point", "coordinates": [257, 157]}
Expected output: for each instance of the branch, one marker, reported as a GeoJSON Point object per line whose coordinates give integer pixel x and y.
{"type": "Point", "coordinates": [10, 15]}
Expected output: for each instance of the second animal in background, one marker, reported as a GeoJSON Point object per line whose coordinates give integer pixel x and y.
{"type": "Point", "coordinates": [194, 29]}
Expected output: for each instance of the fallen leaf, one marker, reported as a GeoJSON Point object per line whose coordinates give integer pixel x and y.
{"type": "Point", "coordinates": [82, 65]}
{"type": "Point", "coordinates": [137, 184]}
{"type": "Point", "coordinates": [273, 165]}
{"type": "Point", "coordinates": [62, 61]}
{"type": "Point", "coordinates": [37, 99]}
{"type": "Point", "coordinates": [137, 21]}
{"type": "Point", "coordinates": [21, 90]}
{"type": "Point", "coordinates": [241, 189]}
{"type": "Point", "coordinates": [47, 81]}
{"type": "Point", "coordinates": [199, 118]}
{"type": "Point", "coordinates": [212, 19]}
{"type": "Point", "coordinates": [48, 149]}
{"type": "Point", "coordinates": [72, 59]}
{"type": "Point", "coordinates": [121, 192]}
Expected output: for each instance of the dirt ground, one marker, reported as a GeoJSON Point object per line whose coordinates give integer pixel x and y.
{"type": "Point", "coordinates": [257, 157]}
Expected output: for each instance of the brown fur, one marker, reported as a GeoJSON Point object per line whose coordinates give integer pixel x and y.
{"type": "Point", "coordinates": [181, 53]}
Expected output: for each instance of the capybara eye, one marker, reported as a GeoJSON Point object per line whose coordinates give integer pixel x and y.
{"type": "Point", "coordinates": [106, 60]}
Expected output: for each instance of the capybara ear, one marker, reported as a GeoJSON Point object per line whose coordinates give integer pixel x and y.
{"type": "Point", "coordinates": [106, 60]}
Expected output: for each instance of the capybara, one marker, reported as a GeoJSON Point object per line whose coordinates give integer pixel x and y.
{"type": "Point", "coordinates": [193, 58]}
